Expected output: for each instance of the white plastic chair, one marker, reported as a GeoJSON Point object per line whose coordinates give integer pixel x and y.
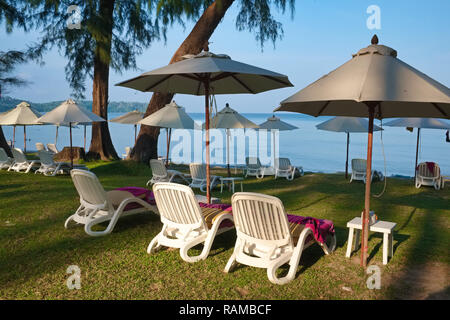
{"type": "Point", "coordinates": [359, 167]}
{"type": "Point", "coordinates": [97, 205]}
{"type": "Point", "coordinates": [5, 161]}
{"type": "Point", "coordinates": [51, 168]}
{"type": "Point", "coordinates": [254, 168]}
{"type": "Point", "coordinates": [21, 163]}
{"type": "Point", "coordinates": [283, 168]}
{"type": "Point", "coordinates": [265, 239]}
{"type": "Point", "coordinates": [198, 176]}
{"type": "Point", "coordinates": [161, 174]}
{"type": "Point", "coordinates": [424, 177]}
{"type": "Point", "coordinates": [185, 223]}
{"type": "Point", "coordinates": [52, 148]}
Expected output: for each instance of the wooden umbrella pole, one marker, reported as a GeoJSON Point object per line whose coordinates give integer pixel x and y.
{"type": "Point", "coordinates": [24, 138]}
{"type": "Point", "coordinates": [346, 161]}
{"type": "Point", "coordinates": [56, 137]}
{"type": "Point", "coordinates": [85, 137]}
{"type": "Point", "coordinates": [208, 177]}
{"type": "Point", "coordinates": [417, 154]}
{"type": "Point", "coordinates": [71, 152]}
{"type": "Point", "coordinates": [169, 134]}
{"type": "Point", "coordinates": [135, 131]}
{"type": "Point", "coordinates": [14, 137]}
{"type": "Point", "coordinates": [365, 218]}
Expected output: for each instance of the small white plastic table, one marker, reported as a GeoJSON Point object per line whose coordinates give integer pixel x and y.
{"type": "Point", "coordinates": [384, 227]}
{"type": "Point", "coordinates": [204, 199]}
{"type": "Point", "coordinates": [444, 179]}
{"type": "Point", "coordinates": [231, 180]}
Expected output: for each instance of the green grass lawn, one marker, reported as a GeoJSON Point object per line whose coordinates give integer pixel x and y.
{"type": "Point", "coordinates": [36, 250]}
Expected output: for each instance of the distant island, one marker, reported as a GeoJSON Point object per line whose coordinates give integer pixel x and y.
{"type": "Point", "coordinates": [7, 103]}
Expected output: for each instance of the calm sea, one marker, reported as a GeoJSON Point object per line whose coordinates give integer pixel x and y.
{"type": "Point", "coordinates": [315, 150]}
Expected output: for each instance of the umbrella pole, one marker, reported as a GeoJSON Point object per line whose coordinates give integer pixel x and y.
{"type": "Point", "coordinates": [273, 135]}
{"type": "Point", "coordinates": [71, 152]}
{"type": "Point", "coordinates": [24, 139]}
{"type": "Point", "coordinates": [85, 138]}
{"type": "Point", "coordinates": [346, 161]}
{"type": "Point", "coordinates": [417, 154]}
{"type": "Point", "coordinates": [228, 152]}
{"type": "Point", "coordinates": [14, 137]}
{"type": "Point", "coordinates": [135, 131]}
{"type": "Point", "coordinates": [365, 218]}
{"type": "Point", "coordinates": [208, 177]}
{"type": "Point", "coordinates": [56, 137]}
{"type": "Point", "coordinates": [168, 134]}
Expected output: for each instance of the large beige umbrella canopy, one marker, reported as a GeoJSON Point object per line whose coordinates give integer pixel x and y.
{"type": "Point", "coordinates": [69, 113]}
{"type": "Point", "coordinates": [172, 116]}
{"type": "Point", "coordinates": [22, 115]}
{"type": "Point", "coordinates": [374, 83]}
{"type": "Point", "coordinates": [347, 125]}
{"type": "Point", "coordinates": [132, 117]}
{"type": "Point", "coordinates": [419, 123]}
{"type": "Point", "coordinates": [228, 118]}
{"type": "Point", "coordinates": [275, 124]}
{"type": "Point", "coordinates": [207, 74]}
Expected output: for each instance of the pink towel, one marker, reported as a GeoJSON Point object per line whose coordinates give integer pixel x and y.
{"type": "Point", "coordinates": [430, 166]}
{"type": "Point", "coordinates": [321, 228]}
{"type": "Point", "coordinates": [141, 193]}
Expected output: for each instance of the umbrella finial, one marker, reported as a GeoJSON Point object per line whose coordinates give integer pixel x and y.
{"type": "Point", "coordinates": [374, 39]}
{"type": "Point", "coordinates": [227, 105]}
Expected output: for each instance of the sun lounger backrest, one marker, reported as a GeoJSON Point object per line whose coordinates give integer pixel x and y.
{"type": "Point", "coordinates": [40, 146]}
{"type": "Point", "coordinates": [52, 147]}
{"type": "Point", "coordinates": [3, 155]}
{"type": "Point", "coordinates": [46, 157]}
{"type": "Point", "coordinates": [88, 187]}
{"type": "Point", "coordinates": [423, 171]}
{"type": "Point", "coordinates": [282, 163]}
{"type": "Point", "coordinates": [253, 162]}
{"type": "Point", "coordinates": [177, 204]}
{"type": "Point", "coordinates": [198, 171]}
{"type": "Point", "coordinates": [158, 168]}
{"type": "Point", "coordinates": [18, 155]}
{"type": "Point", "coordinates": [359, 165]}
{"type": "Point", "coordinates": [260, 217]}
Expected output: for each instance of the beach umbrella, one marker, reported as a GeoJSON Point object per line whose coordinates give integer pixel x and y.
{"type": "Point", "coordinates": [172, 116]}
{"type": "Point", "coordinates": [228, 118]}
{"type": "Point", "coordinates": [22, 115]}
{"type": "Point", "coordinates": [347, 125]}
{"type": "Point", "coordinates": [419, 123]}
{"type": "Point", "coordinates": [207, 74]}
{"type": "Point", "coordinates": [69, 113]}
{"type": "Point", "coordinates": [132, 117]}
{"type": "Point", "coordinates": [374, 83]}
{"type": "Point", "coordinates": [275, 124]}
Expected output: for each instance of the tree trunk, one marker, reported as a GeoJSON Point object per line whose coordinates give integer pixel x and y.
{"type": "Point", "coordinates": [4, 144]}
{"type": "Point", "coordinates": [101, 144]}
{"type": "Point", "coordinates": [146, 147]}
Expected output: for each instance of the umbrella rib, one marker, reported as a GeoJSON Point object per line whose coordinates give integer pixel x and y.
{"type": "Point", "coordinates": [157, 83]}
{"type": "Point", "coordinates": [323, 108]}
{"type": "Point", "coordinates": [440, 110]}
{"type": "Point", "coordinates": [222, 76]}
{"type": "Point", "coordinates": [242, 84]}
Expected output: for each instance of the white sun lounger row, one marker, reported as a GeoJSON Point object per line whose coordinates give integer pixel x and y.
{"type": "Point", "coordinates": [283, 168]}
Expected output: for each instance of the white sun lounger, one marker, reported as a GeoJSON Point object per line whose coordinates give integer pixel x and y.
{"type": "Point", "coordinates": [424, 177]}
{"type": "Point", "coordinates": [284, 168]}
{"type": "Point", "coordinates": [52, 148]}
{"type": "Point", "coordinates": [5, 161]}
{"type": "Point", "coordinates": [161, 174]}
{"type": "Point", "coordinates": [127, 153]}
{"type": "Point", "coordinates": [198, 176]}
{"type": "Point", "coordinates": [21, 163]}
{"type": "Point", "coordinates": [185, 223]}
{"type": "Point", "coordinates": [359, 167]}
{"type": "Point", "coordinates": [40, 146]}
{"type": "Point", "coordinates": [265, 239]}
{"type": "Point", "coordinates": [51, 168]}
{"type": "Point", "coordinates": [254, 168]}
{"type": "Point", "coordinates": [99, 206]}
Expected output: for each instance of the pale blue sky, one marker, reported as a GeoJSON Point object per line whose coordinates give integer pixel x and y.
{"type": "Point", "coordinates": [323, 35]}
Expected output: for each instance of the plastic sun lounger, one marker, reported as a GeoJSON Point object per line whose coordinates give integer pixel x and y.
{"type": "Point", "coordinates": [264, 237]}
{"type": "Point", "coordinates": [283, 168]}
{"type": "Point", "coordinates": [21, 163]}
{"type": "Point", "coordinates": [5, 161]}
{"type": "Point", "coordinates": [254, 168]}
{"type": "Point", "coordinates": [424, 177]}
{"type": "Point", "coordinates": [52, 148]}
{"type": "Point", "coordinates": [51, 168]}
{"type": "Point", "coordinates": [97, 205]}
{"type": "Point", "coordinates": [40, 146]}
{"type": "Point", "coordinates": [161, 174]}
{"type": "Point", "coordinates": [185, 223]}
{"type": "Point", "coordinates": [359, 170]}
{"type": "Point", "coordinates": [198, 176]}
